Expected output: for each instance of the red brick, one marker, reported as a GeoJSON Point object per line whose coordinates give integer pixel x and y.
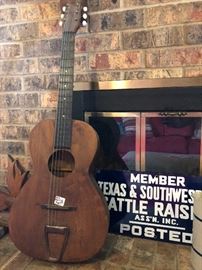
{"type": "Point", "coordinates": [80, 63]}
{"type": "Point", "coordinates": [162, 15]}
{"type": "Point", "coordinates": [49, 65]}
{"type": "Point", "coordinates": [4, 117]}
{"type": "Point", "coordinates": [14, 132]}
{"type": "Point", "coordinates": [51, 81]}
{"type": "Point", "coordinates": [16, 116]}
{"type": "Point", "coordinates": [81, 44]}
{"type": "Point", "coordinates": [10, 51]}
{"type": "Point", "coordinates": [9, 15]}
{"type": "Point", "coordinates": [174, 57]}
{"type": "Point", "coordinates": [193, 72]}
{"type": "Point", "coordinates": [49, 99]}
{"type": "Point", "coordinates": [10, 84]}
{"type": "Point", "coordinates": [97, 42]}
{"type": "Point", "coordinates": [193, 34]}
{"type": "Point", "coordinates": [51, 47]}
{"type": "Point", "coordinates": [40, 11]}
{"type": "Point", "coordinates": [153, 73]}
{"type": "Point", "coordinates": [32, 116]}
{"type": "Point", "coordinates": [100, 61]}
{"type": "Point", "coordinates": [42, 48]}
{"type": "Point", "coordinates": [19, 67]}
{"type": "Point", "coordinates": [13, 148]}
{"type": "Point", "coordinates": [173, 14]}
{"type": "Point", "coordinates": [29, 100]}
{"type": "Point", "coordinates": [34, 83]}
{"type": "Point", "coordinates": [129, 19]}
{"type": "Point", "coordinates": [194, 12]}
{"type": "Point", "coordinates": [19, 32]}
{"type": "Point", "coordinates": [163, 37]}
{"type": "Point", "coordinates": [130, 3]}
{"type": "Point", "coordinates": [121, 60]}
{"type": "Point", "coordinates": [9, 100]}
{"type": "Point", "coordinates": [96, 5]}
{"type": "Point", "coordinates": [50, 29]}
{"type": "Point", "coordinates": [11, 2]}
{"type": "Point", "coordinates": [98, 76]}
{"type": "Point", "coordinates": [48, 113]}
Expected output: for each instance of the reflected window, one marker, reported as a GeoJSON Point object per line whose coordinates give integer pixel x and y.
{"type": "Point", "coordinates": [172, 145]}
{"type": "Point", "coordinates": [118, 136]}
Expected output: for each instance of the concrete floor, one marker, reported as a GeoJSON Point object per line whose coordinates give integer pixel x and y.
{"type": "Point", "coordinates": [119, 253]}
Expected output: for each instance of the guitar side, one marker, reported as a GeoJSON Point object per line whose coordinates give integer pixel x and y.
{"type": "Point", "coordinates": [76, 231]}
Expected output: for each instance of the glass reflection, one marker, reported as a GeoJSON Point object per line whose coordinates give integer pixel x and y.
{"type": "Point", "coordinates": [117, 142]}
{"type": "Point", "coordinates": [173, 145]}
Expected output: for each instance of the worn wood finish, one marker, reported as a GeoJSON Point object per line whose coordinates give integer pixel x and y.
{"type": "Point", "coordinates": [88, 222]}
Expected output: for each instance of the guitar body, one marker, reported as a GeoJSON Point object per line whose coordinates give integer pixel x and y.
{"type": "Point", "coordinates": [70, 231]}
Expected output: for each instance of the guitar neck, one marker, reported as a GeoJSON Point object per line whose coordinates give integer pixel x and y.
{"type": "Point", "coordinates": [63, 128]}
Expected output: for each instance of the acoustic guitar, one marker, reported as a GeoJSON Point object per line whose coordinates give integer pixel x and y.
{"type": "Point", "coordinates": [60, 215]}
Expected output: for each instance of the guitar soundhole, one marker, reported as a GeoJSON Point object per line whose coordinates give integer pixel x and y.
{"type": "Point", "coordinates": [61, 162]}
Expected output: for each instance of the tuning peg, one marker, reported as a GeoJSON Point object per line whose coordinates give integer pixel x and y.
{"type": "Point", "coordinates": [85, 16]}
{"type": "Point", "coordinates": [84, 23]}
{"type": "Point", "coordinates": [62, 16]}
{"type": "Point", "coordinates": [64, 8]}
{"type": "Point", "coordinates": [60, 23]}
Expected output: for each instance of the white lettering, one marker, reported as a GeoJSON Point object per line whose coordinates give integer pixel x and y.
{"type": "Point", "coordinates": [175, 236]}
{"type": "Point", "coordinates": [162, 180]}
{"type": "Point", "coordinates": [157, 233]}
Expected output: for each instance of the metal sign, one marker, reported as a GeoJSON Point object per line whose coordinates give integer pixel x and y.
{"type": "Point", "coordinates": [148, 205]}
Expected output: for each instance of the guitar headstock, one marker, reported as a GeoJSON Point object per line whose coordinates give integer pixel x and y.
{"type": "Point", "coordinates": [73, 15]}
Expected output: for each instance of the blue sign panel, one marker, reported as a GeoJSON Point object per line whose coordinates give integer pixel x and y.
{"type": "Point", "coordinates": [148, 205]}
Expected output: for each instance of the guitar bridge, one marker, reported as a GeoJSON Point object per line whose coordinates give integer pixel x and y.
{"type": "Point", "coordinates": [57, 207]}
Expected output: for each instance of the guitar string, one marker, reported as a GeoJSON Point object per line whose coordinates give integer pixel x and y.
{"type": "Point", "coordinates": [54, 190]}
{"type": "Point", "coordinates": [54, 161]}
{"type": "Point", "coordinates": [63, 95]}
{"type": "Point", "coordinates": [67, 93]}
{"type": "Point", "coordinates": [66, 67]}
{"type": "Point", "coordinates": [61, 120]}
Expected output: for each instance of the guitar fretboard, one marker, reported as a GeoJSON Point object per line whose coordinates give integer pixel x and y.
{"type": "Point", "coordinates": [63, 129]}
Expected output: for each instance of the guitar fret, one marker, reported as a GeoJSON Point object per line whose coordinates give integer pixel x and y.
{"type": "Point", "coordinates": [67, 79]}
{"type": "Point", "coordinates": [65, 88]}
{"type": "Point", "coordinates": [67, 83]}
{"type": "Point", "coordinates": [68, 62]}
{"type": "Point", "coordinates": [64, 73]}
{"type": "Point", "coordinates": [64, 111]}
{"type": "Point", "coordinates": [67, 59]}
{"type": "Point", "coordinates": [65, 92]}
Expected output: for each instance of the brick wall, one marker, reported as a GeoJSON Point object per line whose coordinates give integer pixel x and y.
{"type": "Point", "coordinates": [127, 39]}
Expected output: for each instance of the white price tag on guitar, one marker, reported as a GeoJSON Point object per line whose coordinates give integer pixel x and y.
{"type": "Point", "coordinates": [60, 201]}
